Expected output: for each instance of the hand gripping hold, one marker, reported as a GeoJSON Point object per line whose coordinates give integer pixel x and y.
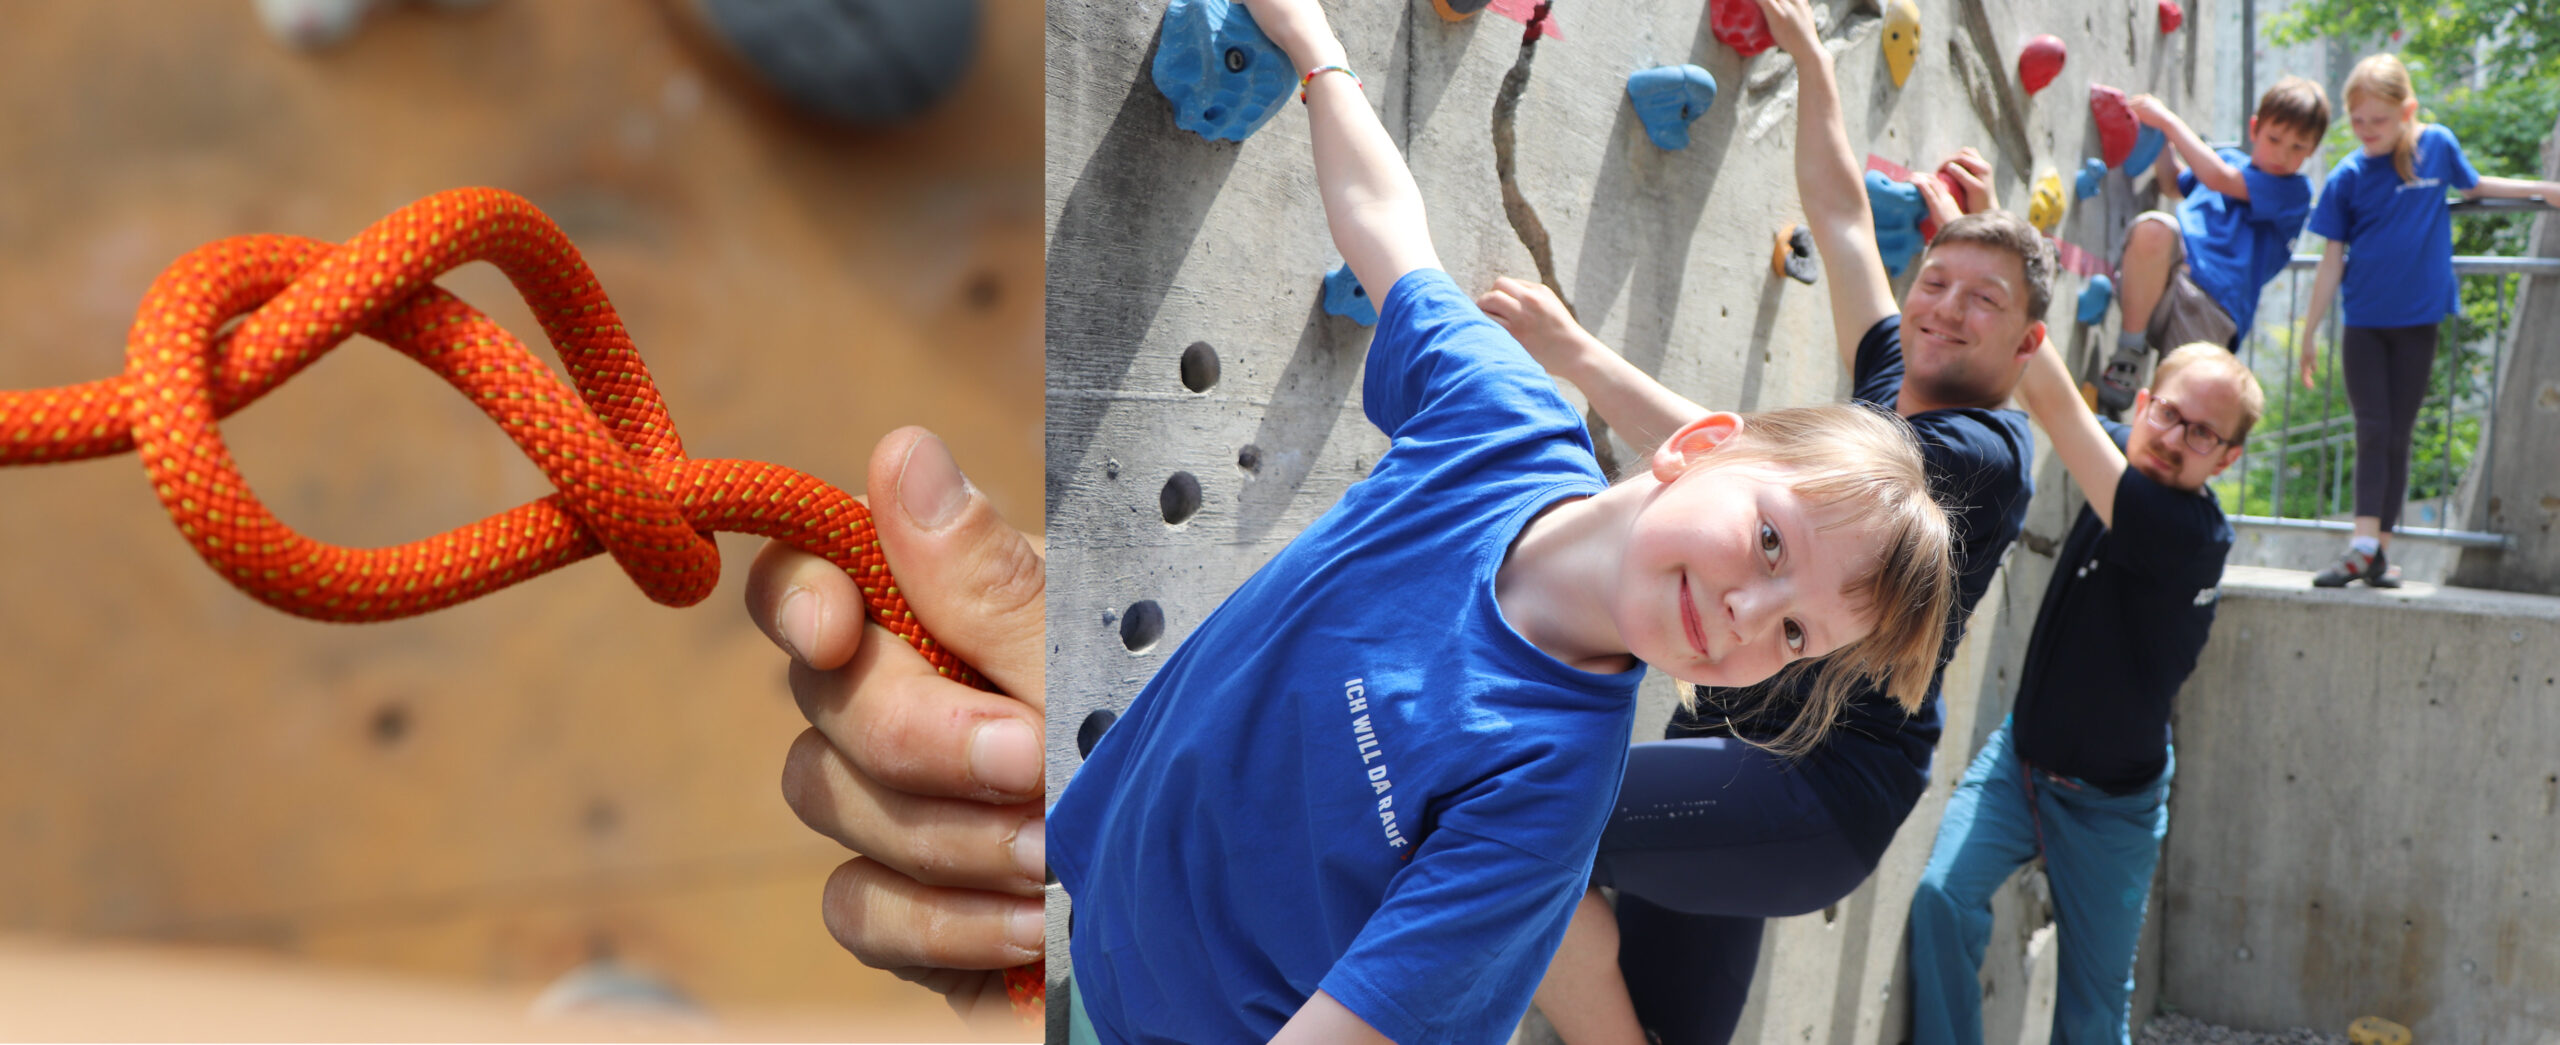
{"type": "Point", "coordinates": [625, 486]}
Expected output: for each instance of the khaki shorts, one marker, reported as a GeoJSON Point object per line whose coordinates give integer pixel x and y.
{"type": "Point", "coordinates": [2185, 314]}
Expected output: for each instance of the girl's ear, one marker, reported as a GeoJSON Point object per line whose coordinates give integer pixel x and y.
{"type": "Point", "coordinates": [1693, 442]}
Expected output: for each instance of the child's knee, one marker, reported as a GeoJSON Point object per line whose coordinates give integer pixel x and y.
{"type": "Point", "coordinates": [2150, 234]}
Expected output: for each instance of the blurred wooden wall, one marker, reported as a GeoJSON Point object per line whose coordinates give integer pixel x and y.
{"type": "Point", "coordinates": [497, 792]}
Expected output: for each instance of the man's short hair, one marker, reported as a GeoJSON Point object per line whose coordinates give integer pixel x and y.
{"type": "Point", "coordinates": [2296, 103]}
{"type": "Point", "coordinates": [2216, 359]}
{"type": "Point", "coordinates": [2001, 230]}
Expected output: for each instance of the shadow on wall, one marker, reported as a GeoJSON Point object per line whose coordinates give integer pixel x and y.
{"type": "Point", "coordinates": [1149, 183]}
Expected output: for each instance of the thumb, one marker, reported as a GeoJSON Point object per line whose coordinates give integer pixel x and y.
{"type": "Point", "coordinates": [974, 582]}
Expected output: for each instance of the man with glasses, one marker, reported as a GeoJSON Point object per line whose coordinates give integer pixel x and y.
{"type": "Point", "coordinates": [2079, 773]}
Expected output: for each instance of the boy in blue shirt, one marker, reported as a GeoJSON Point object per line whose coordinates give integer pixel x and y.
{"type": "Point", "coordinates": [2195, 275]}
{"type": "Point", "coordinates": [2079, 774]}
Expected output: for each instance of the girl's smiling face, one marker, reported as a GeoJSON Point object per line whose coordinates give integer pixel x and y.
{"type": "Point", "coordinates": [2378, 124]}
{"type": "Point", "coordinates": [1729, 575]}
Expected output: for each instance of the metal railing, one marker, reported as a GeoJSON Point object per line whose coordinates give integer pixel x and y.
{"type": "Point", "coordinates": [2302, 446]}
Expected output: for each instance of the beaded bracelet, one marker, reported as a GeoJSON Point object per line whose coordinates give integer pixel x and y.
{"type": "Point", "coordinates": [1320, 70]}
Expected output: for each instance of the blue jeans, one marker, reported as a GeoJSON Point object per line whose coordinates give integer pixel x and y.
{"type": "Point", "coordinates": [2099, 852]}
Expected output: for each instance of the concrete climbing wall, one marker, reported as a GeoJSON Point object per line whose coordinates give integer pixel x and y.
{"type": "Point", "coordinates": [1202, 408]}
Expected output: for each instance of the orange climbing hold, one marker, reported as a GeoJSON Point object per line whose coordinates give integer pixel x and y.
{"type": "Point", "coordinates": [605, 441]}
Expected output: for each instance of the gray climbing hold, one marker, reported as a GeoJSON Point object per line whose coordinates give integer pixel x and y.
{"type": "Point", "coordinates": [1793, 257]}
{"type": "Point", "coordinates": [1224, 78]}
{"type": "Point", "coordinates": [865, 62]}
{"type": "Point", "coordinates": [1668, 98]}
{"type": "Point", "coordinates": [1344, 296]}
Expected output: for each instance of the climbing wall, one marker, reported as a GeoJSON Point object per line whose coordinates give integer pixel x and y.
{"type": "Point", "coordinates": [1203, 406]}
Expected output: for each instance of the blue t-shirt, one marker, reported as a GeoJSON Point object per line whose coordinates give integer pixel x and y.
{"type": "Point", "coordinates": [2399, 236]}
{"type": "Point", "coordinates": [2124, 619]}
{"type": "Point", "coordinates": [1873, 765]}
{"type": "Point", "coordinates": [1355, 776]}
{"type": "Point", "coordinates": [2235, 246]}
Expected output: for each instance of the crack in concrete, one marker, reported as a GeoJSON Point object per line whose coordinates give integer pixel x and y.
{"type": "Point", "coordinates": [1524, 218]}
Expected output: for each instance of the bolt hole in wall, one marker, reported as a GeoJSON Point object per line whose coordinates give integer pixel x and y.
{"type": "Point", "coordinates": [1250, 459]}
{"type": "Point", "coordinates": [1142, 625]}
{"type": "Point", "coordinates": [1180, 499]}
{"type": "Point", "coordinates": [1090, 733]}
{"type": "Point", "coordinates": [1199, 367]}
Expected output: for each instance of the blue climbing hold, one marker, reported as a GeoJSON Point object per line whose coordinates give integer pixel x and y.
{"type": "Point", "coordinates": [2092, 171]}
{"type": "Point", "coordinates": [2146, 148]}
{"type": "Point", "coordinates": [1898, 211]}
{"type": "Point", "coordinates": [1224, 78]}
{"type": "Point", "coordinates": [1667, 98]}
{"type": "Point", "coordinates": [1344, 296]}
{"type": "Point", "coordinates": [2101, 292]}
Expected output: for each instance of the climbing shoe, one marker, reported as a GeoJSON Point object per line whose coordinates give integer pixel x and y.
{"type": "Point", "coordinates": [2121, 378]}
{"type": "Point", "coordinates": [2353, 565]}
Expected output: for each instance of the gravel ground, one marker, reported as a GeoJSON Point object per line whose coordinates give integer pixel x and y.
{"type": "Point", "coordinates": [2187, 1030]}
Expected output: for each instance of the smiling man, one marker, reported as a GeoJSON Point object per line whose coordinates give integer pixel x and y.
{"type": "Point", "coordinates": [2079, 774]}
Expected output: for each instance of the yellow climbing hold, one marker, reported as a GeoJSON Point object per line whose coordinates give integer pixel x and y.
{"type": "Point", "coordinates": [2374, 1030]}
{"type": "Point", "coordinates": [2044, 204]}
{"type": "Point", "coordinates": [1901, 38]}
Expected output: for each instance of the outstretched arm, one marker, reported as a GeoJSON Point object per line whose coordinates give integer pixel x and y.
{"type": "Point", "coordinates": [2212, 171]}
{"type": "Point", "coordinates": [2514, 189]}
{"type": "Point", "coordinates": [2091, 457]}
{"type": "Point", "coordinates": [1831, 184]}
{"type": "Point", "coordinates": [1639, 408]}
{"type": "Point", "coordinates": [1370, 200]}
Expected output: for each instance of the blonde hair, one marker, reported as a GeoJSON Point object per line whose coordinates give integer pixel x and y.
{"type": "Point", "coordinates": [2382, 78]}
{"type": "Point", "coordinates": [1865, 463]}
{"type": "Point", "coordinates": [2213, 357]}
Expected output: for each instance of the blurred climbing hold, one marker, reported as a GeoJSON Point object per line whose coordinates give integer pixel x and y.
{"type": "Point", "coordinates": [1898, 211]}
{"type": "Point", "coordinates": [2040, 61]}
{"type": "Point", "coordinates": [1344, 296]}
{"type": "Point", "coordinates": [1223, 76]}
{"type": "Point", "coordinates": [2147, 143]}
{"type": "Point", "coordinates": [2116, 127]}
{"type": "Point", "coordinates": [861, 62]}
{"type": "Point", "coordinates": [1740, 25]}
{"type": "Point", "coordinates": [2044, 202]}
{"type": "Point", "coordinates": [1667, 98]}
{"type": "Point", "coordinates": [2171, 16]}
{"type": "Point", "coordinates": [2374, 1030]}
{"type": "Point", "coordinates": [317, 25]}
{"type": "Point", "coordinates": [2092, 171]}
{"type": "Point", "coordinates": [1793, 257]}
{"type": "Point", "coordinates": [2094, 300]}
{"type": "Point", "coordinates": [1901, 38]}
{"type": "Point", "coordinates": [1458, 10]}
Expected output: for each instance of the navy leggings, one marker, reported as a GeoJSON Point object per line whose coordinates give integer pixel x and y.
{"type": "Point", "coordinates": [2386, 369]}
{"type": "Point", "coordinates": [1712, 837]}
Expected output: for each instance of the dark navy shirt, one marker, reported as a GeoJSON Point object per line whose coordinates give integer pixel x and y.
{"type": "Point", "coordinates": [1872, 767]}
{"type": "Point", "coordinates": [2122, 624]}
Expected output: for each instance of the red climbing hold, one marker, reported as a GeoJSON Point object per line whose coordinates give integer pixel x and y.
{"type": "Point", "coordinates": [1740, 25]}
{"type": "Point", "coordinates": [2116, 127]}
{"type": "Point", "coordinates": [2171, 16]}
{"type": "Point", "coordinates": [1955, 189]}
{"type": "Point", "coordinates": [2039, 62]}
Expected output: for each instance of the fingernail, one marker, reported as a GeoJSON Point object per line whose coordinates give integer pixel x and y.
{"type": "Point", "coordinates": [795, 624]}
{"type": "Point", "coordinates": [932, 488]}
{"type": "Point", "coordinates": [1030, 927]}
{"type": "Point", "coordinates": [1031, 849]}
{"type": "Point", "coordinates": [1004, 756]}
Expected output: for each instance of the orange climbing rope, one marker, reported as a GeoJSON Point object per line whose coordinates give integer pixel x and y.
{"type": "Point", "coordinates": [625, 486]}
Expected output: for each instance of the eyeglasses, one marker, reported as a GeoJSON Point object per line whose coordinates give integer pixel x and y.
{"type": "Point", "coordinates": [2197, 438]}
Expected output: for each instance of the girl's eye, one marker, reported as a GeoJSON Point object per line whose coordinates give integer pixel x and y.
{"type": "Point", "coordinates": [1769, 547]}
{"type": "Point", "coordinates": [1795, 638]}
